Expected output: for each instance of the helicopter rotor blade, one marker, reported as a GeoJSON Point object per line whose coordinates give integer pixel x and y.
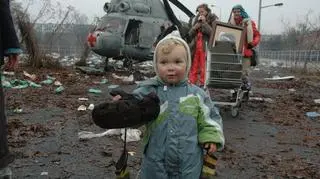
{"type": "Point", "coordinates": [171, 14]}
{"type": "Point", "coordinates": [183, 8]}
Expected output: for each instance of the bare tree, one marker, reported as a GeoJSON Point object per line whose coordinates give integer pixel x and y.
{"type": "Point", "coordinates": [86, 50]}
{"type": "Point", "coordinates": [305, 35]}
{"type": "Point", "coordinates": [49, 11]}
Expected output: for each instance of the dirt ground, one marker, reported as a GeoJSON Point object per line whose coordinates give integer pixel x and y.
{"type": "Point", "coordinates": [269, 139]}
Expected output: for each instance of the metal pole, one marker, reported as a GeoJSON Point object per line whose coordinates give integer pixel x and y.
{"type": "Point", "coordinates": [259, 18]}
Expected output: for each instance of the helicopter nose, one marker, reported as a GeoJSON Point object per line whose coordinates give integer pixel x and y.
{"type": "Point", "coordinates": [105, 43]}
{"type": "Point", "coordinates": [92, 39]}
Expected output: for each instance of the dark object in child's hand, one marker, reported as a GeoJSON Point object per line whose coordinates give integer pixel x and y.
{"type": "Point", "coordinates": [126, 112]}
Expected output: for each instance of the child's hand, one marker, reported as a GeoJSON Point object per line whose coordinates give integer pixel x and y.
{"type": "Point", "coordinates": [210, 147]}
{"type": "Point", "coordinates": [116, 98]}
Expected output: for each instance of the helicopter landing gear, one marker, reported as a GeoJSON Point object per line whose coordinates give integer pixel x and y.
{"type": "Point", "coordinates": [128, 63]}
{"type": "Point", "coordinates": [107, 66]}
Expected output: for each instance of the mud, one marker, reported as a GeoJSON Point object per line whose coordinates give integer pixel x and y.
{"type": "Point", "coordinates": [267, 140]}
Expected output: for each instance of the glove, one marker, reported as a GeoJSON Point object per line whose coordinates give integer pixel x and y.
{"type": "Point", "coordinates": [126, 112]}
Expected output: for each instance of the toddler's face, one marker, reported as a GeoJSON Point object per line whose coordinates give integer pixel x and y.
{"type": "Point", "coordinates": [172, 66]}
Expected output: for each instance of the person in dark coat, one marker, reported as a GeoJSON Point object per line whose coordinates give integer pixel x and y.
{"type": "Point", "coordinates": [9, 47]}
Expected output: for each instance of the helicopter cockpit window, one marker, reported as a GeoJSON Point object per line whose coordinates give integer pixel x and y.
{"type": "Point", "coordinates": [112, 24]}
{"type": "Point", "coordinates": [107, 7]}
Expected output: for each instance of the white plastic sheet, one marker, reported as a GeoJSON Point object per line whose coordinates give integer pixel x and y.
{"type": "Point", "coordinates": [133, 135]}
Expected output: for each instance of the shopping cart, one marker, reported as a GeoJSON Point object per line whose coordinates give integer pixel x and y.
{"type": "Point", "coordinates": [224, 72]}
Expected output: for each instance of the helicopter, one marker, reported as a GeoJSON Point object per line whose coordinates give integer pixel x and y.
{"type": "Point", "coordinates": [129, 29]}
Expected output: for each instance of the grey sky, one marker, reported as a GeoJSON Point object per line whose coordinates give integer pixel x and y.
{"type": "Point", "coordinates": [292, 11]}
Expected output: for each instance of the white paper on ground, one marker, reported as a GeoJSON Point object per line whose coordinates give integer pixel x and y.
{"type": "Point", "coordinates": [280, 78]}
{"type": "Point", "coordinates": [133, 135]}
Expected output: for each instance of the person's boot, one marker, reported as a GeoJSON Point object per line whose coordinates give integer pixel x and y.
{"type": "Point", "coordinates": [5, 173]}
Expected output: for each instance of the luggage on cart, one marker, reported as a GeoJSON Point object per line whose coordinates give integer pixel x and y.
{"type": "Point", "coordinates": [224, 66]}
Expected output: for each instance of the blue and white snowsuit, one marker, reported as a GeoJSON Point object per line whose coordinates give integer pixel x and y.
{"type": "Point", "coordinates": [173, 141]}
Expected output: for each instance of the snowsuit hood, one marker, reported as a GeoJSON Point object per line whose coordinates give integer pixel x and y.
{"type": "Point", "coordinates": [173, 36]}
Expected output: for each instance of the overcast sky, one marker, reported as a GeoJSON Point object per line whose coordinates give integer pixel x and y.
{"type": "Point", "coordinates": [271, 22]}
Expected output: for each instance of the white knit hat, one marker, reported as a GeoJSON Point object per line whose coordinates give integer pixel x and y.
{"type": "Point", "coordinates": [174, 36]}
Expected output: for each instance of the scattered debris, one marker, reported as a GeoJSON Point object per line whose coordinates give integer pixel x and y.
{"type": "Point", "coordinates": [292, 90]}
{"type": "Point", "coordinates": [123, 78]}
{"type": "Point", "coordinates": [90, 135]}
{"type": "Point", "coordinates": [9, 73]}
{"type": "Point", "coordinates": [269, 100]}
{"type": "Point", "coordinates": [35, 85]}
{"type": "Point", "coordinates": [103, 81]}
{"type": "Point", "coordinates": [133, 135]}
{"type": "Point", "coordinates": [59, 89]}
{"type": "Point", "coordinates": [18, 110]}
{"type": "Point", "coordinates": [5, 83]}
{"type": "Point", "coordinates": [19, 84]}
{"type": "Point", "coordinates": [138, 82]}
{"type": "Point", "coordinates": [96, 91]}
{"type": "Point", "coordinates": [91, 107]}
{"type": "Point", "coordinates": [47, 81]}
{"type": "Point", "coordinates": [278, 78]}
{"type": "Point", "coordinates": [312, 115]}
{"type": "Point", "coordinates": [51, 78]}
{"type": "Point", "coordinates": [131, 153]}
{"type": "Point", "coordinates": [82, 108]}
{"type": "Point", "coordinates": [32, 77]}
{"type": "Point", "coordinates": [83, 99]}
{"type": "Point", "coordinates": [113, 86]}
{"type": "Point", "coordinates": [57, 83]}
{"type": "Point", "coordinates": [317, 101]}
{"type": "Point", "coordinates": [44, 174]}
{"type": "Point", "coordinates": [90, 70]}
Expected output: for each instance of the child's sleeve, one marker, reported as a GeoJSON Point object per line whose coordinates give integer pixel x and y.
{"type": "Point", "coordinates": [210, 123]}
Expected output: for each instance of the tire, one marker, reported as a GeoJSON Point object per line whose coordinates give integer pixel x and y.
{"type": "Point", "coordinates": [245, 96]}
{"type": "Point", "coordinates": [128, 63]}
{"type": "Point", "coordinates": [234, 111]}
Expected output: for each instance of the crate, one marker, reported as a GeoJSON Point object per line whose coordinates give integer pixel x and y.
{"type": "Point", "coordinates": [226, 66]}
{"type": "Point", "coordinates": [224, 70]}
{"type": "Point", "coordinates": [226, 58]}
{"type": "Point", "coordinates": [224, 84]}
{"type": "Point", "coordinates": [226, 75]}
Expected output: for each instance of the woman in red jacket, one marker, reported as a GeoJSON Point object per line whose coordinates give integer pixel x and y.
{"type": "Point", "coordinates": [252, 38]}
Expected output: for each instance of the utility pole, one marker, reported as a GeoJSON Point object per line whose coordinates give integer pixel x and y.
{"type": "Point", "coordinates": [259, 18]}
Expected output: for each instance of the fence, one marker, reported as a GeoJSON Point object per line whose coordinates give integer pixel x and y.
{"type": "Point", "coordinates": [288, 58]}
{"type": "Point", "coordinates": [63, 51]}
{"type": "Point", "coordinates": [294, 58]}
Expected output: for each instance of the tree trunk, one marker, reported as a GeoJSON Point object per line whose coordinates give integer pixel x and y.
{"type": "Point", "coordinates": [29, 38]}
